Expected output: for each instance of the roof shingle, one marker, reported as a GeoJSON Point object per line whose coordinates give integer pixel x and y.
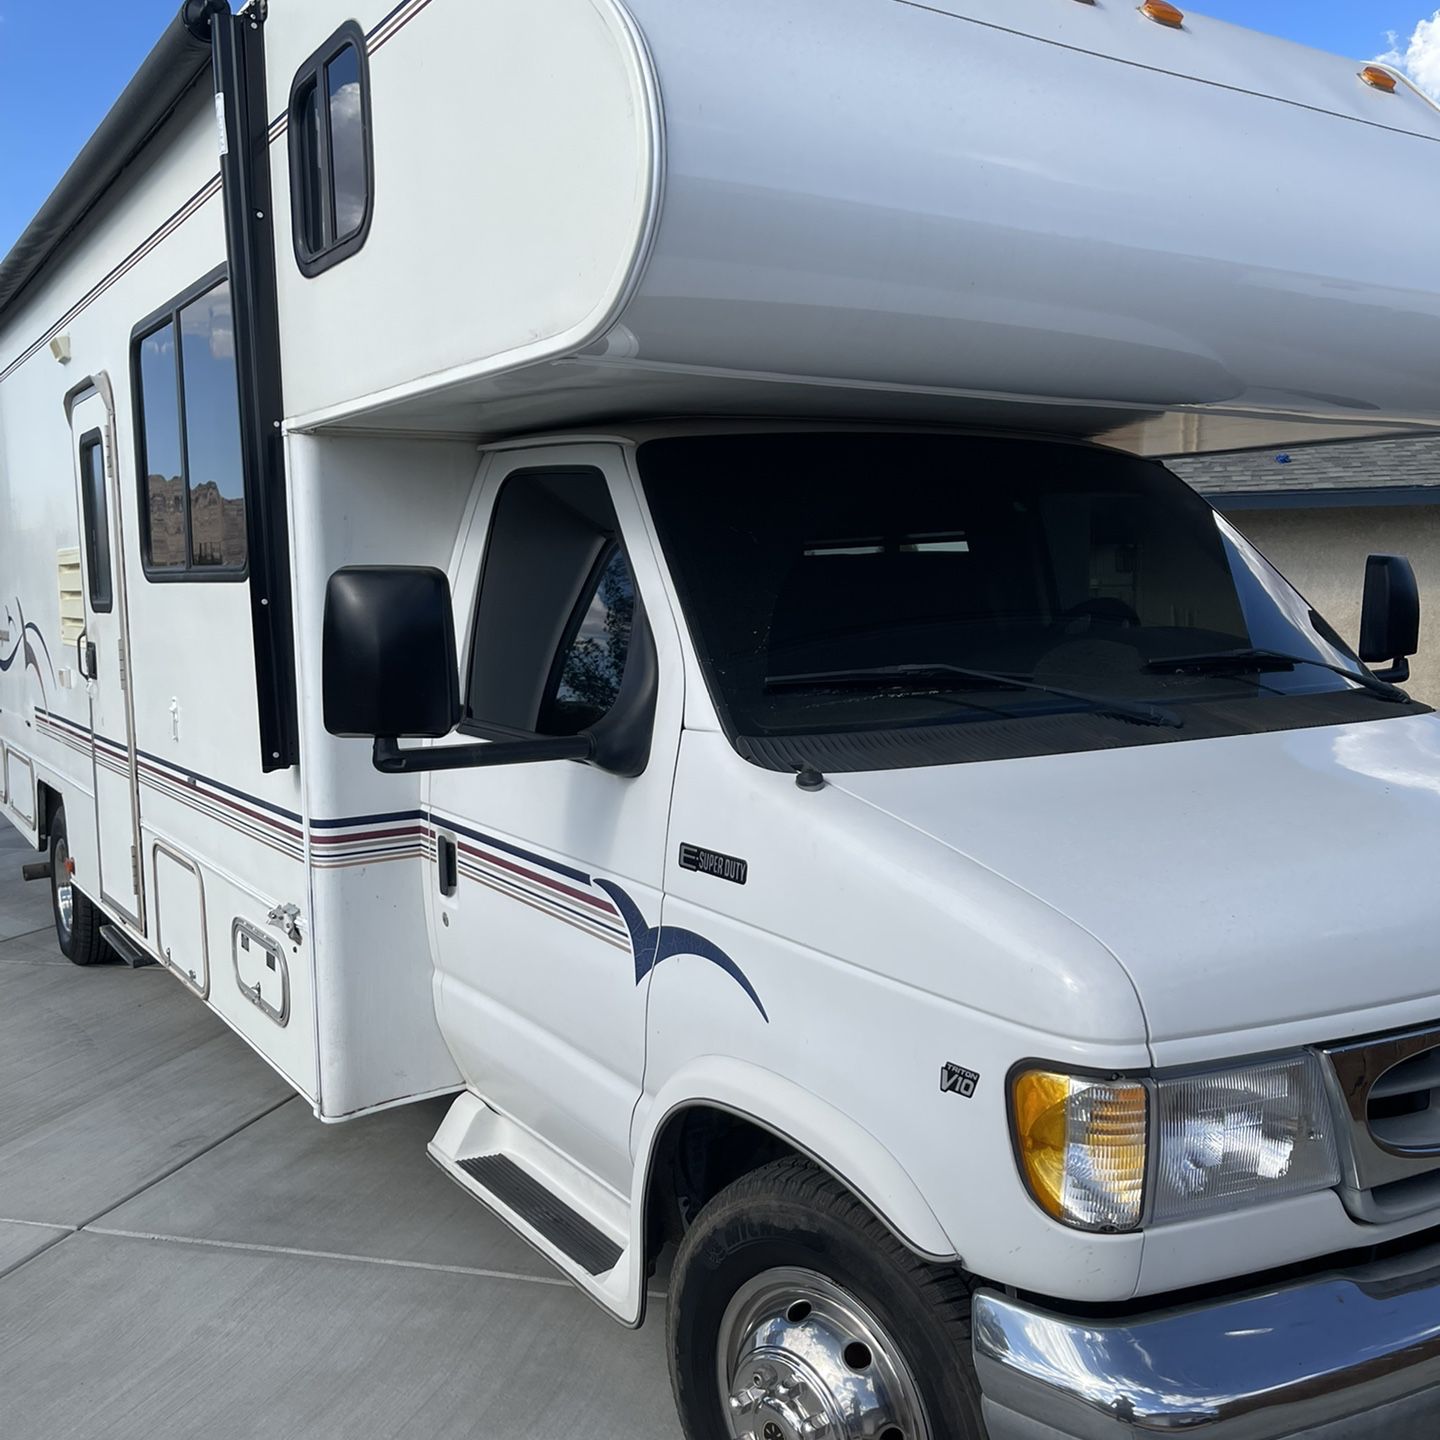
{"type": "Point", "coordinates": [1408, 463]}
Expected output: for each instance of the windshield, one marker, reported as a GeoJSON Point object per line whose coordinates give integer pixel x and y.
{"type": "Point", "coordinates": [853, 584]}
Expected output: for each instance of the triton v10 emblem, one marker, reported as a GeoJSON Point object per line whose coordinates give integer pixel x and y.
{"type": "Point", "coordinates": [957, 1080]}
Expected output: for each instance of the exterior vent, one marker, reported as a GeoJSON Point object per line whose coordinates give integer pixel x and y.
{"type": "Point", "coordinates": [72, 597]}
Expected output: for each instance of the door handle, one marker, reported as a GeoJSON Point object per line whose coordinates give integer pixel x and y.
{"type": "Point", "coordinates": [449, 866]}
{"type": "Point", "coordinates": [85, 655]}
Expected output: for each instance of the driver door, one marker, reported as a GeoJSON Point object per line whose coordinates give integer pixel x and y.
{"type": "Point", "coordinates": [548, 876]}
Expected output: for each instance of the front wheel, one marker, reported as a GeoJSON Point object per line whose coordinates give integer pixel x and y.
{"type": "Point", "coordinates": [77, 921]}
{"type": "Point", "coordinates": [794, 1312]}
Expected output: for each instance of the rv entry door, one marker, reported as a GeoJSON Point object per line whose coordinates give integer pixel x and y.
{"type": "Point", "coordinates": [100, 654]}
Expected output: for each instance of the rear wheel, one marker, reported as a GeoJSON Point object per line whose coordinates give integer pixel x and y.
{"type": "Point", "coordinates": [77, 921]}
{"type": "Point", "coordinates": [794, 1312]}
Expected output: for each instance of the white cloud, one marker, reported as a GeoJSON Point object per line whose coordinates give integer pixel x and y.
{"type": "Point", "coordinates": [1419, 57]}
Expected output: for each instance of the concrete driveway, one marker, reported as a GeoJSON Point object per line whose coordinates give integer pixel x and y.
{"type": "Point", "coordinates": [185, 1251]}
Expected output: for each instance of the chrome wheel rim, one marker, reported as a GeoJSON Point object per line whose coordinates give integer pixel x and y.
{"type": "Point", "coordinates": [800, 1358]}
{"type": "Point", "coordinates": [64, 892]}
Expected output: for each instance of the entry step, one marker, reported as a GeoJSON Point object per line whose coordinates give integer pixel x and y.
{"type": "Point", "coordinates": [126, 948]}
{"type": "Point", "coordinates": [577, 1222]}
{"type": "Point", "coordinates": [564, 1228]}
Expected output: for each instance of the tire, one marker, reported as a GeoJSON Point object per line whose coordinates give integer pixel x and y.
{"type": "Point", "coordinates": [874, 1310]}
{"type": "Point", "coordinates": [79, 935]}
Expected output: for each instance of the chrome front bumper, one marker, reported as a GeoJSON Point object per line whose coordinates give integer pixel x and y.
{"type": "Point", "coordinates": [1352, 1355]}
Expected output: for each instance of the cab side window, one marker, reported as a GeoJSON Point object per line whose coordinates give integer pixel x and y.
{"type": "Point", "coordinates": [556, 610]}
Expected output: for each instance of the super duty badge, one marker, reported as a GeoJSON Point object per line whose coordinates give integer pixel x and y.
{"type": "Point", "coordinates": [712, 862]}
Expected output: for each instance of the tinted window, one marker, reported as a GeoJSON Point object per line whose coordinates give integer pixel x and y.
{"type": "Point", "coordinates": [95, 511]}
{"type": "Point", "coordinates": [309, 169]}
{"type": "Point", "coordinates": [350, 182]}
{"type": "Point", "coordinates": [586, 683]}
{"type": "Point", "coordinates": [556, 608]}
{"type": "Point", "coordinates": [816, 571]}
{"type": "Point", "coordinates": [330, 152]}
{"type": "Point", "coordinates": [194, 483]}
{"type": "Point", "coordinates": [214, 470]}
{"type": "Point", "coordinates": [160, 464]}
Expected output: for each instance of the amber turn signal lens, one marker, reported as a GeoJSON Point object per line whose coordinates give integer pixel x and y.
{"type": "Point", "coordinates": [1379, 79]}
{"type": "Point", "coordinates": [1083, 1146]}
{"type": "Point", "coordinates": [1165, 13]}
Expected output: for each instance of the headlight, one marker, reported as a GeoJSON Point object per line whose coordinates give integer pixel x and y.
{"type": "Point", "coordinates": [1090, 1150]}
{"type": "Point", "coordinates": [1082, 1146]}
{"type": "Point", "coordinates": [1241, 1137]}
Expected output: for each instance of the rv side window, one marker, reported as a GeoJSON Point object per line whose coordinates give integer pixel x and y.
{"type": "Point", "coordinates": [556, 608]}
{"type": "Point", "coordinates": [97, 522]}
{"type": "Point", "coordinates": [331, 154]}
{"type": "Point", "coordinates": [192, 490]}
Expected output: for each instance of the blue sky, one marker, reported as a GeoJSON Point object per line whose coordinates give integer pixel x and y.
{"type": "Point", "coordinates": [1348, 27]}
{"type": "Point", "coordinates": [63, 64]}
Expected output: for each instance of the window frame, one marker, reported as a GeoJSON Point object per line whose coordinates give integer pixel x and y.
{"type": "Point", "coordinates": [90, 442]}
{"type": "Point", "coordinates": [472, 725]}
{"type": "Point", "coordinates": [189, 573]}
{"type": "Point", "coordinates": [312, 262]}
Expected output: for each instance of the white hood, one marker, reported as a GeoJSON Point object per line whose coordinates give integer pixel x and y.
{"type": "Point", "coordinates": [1283, 884]}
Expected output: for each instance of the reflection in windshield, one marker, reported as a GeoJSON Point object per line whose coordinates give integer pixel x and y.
{"type": "Point", "coordinates": [1070, 567]}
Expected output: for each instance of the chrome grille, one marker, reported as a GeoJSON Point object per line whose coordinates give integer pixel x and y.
{"type": "Point", "coordinates": [1389, 1090]}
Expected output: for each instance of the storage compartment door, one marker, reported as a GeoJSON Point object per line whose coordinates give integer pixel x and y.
{"type": "Point", "coordinates": [180, 917]}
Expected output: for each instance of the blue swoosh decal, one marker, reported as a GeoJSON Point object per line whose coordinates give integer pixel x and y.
{"type": "Point", "coordinates": [653, 945]}
{"type": "Point", "coordinates": [24, 647]}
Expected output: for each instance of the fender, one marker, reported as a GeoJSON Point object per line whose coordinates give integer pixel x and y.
{"type": "Point", "coordinates": [814, 1127]}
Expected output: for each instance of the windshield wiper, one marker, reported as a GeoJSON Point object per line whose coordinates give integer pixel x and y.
{"type": "Point", "coordinates": [1250, 659]}
{"type": "Point", "coordinates": [1135, 711]}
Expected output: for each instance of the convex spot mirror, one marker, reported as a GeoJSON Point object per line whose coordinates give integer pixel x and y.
{"type": "Point", "coordinates": [1390, 618]}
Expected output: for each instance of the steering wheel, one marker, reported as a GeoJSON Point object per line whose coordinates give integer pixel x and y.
{"type": "Point", "coordinates": [1107, 610]}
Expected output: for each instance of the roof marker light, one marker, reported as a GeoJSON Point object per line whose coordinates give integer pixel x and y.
{"type": "Point", "coordinates": [1378, 79]}
{"type": "Point", "coordinates": [1164, 13]}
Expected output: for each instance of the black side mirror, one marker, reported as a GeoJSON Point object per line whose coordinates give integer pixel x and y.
{"type": "Point", "coordinates": [390, 672]}
{"type": "Point", "coordinates": [389, 654]}
{"type": "Point", "coordinates": [1390, 620]}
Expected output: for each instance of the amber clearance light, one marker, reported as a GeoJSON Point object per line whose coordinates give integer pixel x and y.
{"type": "Point", "coordinates": [1164, 13]}
{"type": "Point", "coordinates": [1379, 79]}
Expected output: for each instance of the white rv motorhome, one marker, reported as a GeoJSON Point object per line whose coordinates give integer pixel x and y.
{"type": "Point", "coordinates": [607, 558]}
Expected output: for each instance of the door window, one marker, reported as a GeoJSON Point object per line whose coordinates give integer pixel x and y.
{"type": "Point", "coordinates": [97, 522]}
{"type": "Point", "coordinates": [556, 610]}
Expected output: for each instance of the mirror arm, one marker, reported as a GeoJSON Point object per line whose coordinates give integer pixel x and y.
{"type": "Point", "coordinates": [1395, 674]}
{"type": "Point", "coordinates": [390, 759]}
